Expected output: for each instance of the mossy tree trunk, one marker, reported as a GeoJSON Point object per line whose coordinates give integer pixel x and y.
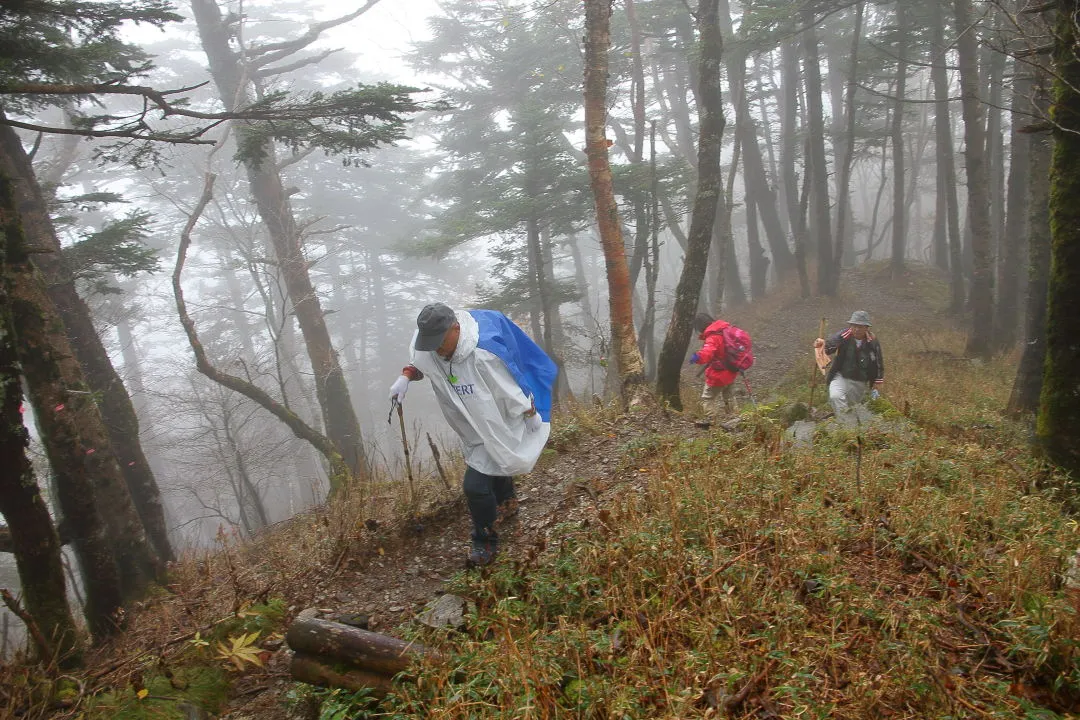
{"type": "Point", "coordinates": [35, 543]}
{"type": "Point", "coordinates": [121, 422]}
{"type": "Point", "coordinates": [1059, 404]}
{"type": "Point", "coordinates": [703, 217]}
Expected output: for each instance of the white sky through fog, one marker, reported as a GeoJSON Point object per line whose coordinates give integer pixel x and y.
{"type": "Point", "coordinates": [381, 35]}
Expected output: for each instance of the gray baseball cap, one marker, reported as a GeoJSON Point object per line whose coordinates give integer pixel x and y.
{"type": "Point", "coordinates": [433, 322]}
{"type": "Point", "coordinates": [860, 317]}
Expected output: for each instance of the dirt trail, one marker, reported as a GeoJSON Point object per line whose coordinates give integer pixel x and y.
{"type": "Point", "coordinates": [400, 569]}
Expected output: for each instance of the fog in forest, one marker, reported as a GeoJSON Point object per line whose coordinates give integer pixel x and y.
{"type": "Point", "coordinates": [481, 198]}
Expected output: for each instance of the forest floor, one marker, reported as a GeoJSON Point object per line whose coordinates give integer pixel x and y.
{"type": "Point", "coordinates": [383, 557]}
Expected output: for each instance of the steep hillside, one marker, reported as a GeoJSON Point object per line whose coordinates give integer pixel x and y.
{"type": "Point", "coordinates": [661, 570]}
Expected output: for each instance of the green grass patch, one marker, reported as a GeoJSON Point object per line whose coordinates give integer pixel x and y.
{"type": "Point", "coordinates": [202, 687]}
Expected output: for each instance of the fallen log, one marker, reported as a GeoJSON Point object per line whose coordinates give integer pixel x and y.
{"type": "Point", "coordinates": [332, 642]}
{"type": "Point", "coordinates": [317, 671]}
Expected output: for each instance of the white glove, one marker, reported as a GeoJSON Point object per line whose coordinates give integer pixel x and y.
{"type": "Point", "coordinates": [399, 388]}
{"type": "Point", "coordinates": [533, 422]}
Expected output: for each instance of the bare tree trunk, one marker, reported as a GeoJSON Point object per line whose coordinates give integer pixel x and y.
{"type": "Point", "coordinates": [899, 225]}
{"type": "Point", "coordinates": [947, 249]}
{"type": "Point", "coordinates": [1028, 383]}
{"type": "Point", "coordinates": [789, 126]}
{"type": "Point", "coordinates": [270, 197]}
{"type": "Point", "coordinates": [1017, 209]}
{"type": "Point", "coordinates": [819, 190]}
{"type": "Point", "coordinates": [597, 43]}
{"type": "Point", "coordinates": [995, 150]}
{"type": "Point", "coordinates": [703, 217]}
{"type": "Point", "coordinates": [339, 470]}
{"type": "Point", "coordinates": [759, 261]}
{"type": "Point", "coordinates": [755, 179]}
{"type": "Point", "coordinates": [843, 192]}
{"type": "Point", "coordinates": [35, 543]}
{"type": "Point", "coordinates": [982, 285]}
{"type": "Point", "coordinates": [120, 421]}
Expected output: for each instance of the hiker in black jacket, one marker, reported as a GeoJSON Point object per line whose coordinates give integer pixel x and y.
{"type": "Point", "coordinates": [857, 364]}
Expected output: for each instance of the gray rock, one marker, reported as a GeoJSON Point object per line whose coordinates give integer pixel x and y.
{"type": "Point", "coordinates": [445, 611]}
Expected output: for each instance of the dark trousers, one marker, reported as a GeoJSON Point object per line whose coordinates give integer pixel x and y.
{"type": "Point", "coordinates": [484, 494]}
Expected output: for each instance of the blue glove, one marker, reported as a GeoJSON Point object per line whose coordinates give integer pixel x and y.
{"type": "Point", "coordinates": [695, 359]}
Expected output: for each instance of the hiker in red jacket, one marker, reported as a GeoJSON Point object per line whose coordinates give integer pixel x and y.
{"type": "Point", "coordinates": [718, 378]}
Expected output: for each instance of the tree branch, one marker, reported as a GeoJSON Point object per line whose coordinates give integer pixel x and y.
{"type": "Point", "coordinates": [338, 469]}
{"type": "Point", "coordinates": [133, 134]}
{"type": "Point", "coordinates": [259, 57]}
{"type": "Point", "coordinates": [281, 69]}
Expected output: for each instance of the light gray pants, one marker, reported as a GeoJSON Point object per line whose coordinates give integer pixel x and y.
{"type": "Point", "coordinates": [712, 396]}
{"type": "Point", "coordinates": [845, 394]}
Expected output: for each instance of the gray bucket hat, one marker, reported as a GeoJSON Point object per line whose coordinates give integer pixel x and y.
{"type": "Point", "coordinates": [860, 317]}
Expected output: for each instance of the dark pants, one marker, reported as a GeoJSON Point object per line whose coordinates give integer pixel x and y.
{"type": "Point", "coordinates": [484, 494]}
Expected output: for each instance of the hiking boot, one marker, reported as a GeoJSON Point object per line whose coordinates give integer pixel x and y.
{"type": "Point", "coordinates": [483, 553]}
{"type": "Point", "coordinates": [508, 510]}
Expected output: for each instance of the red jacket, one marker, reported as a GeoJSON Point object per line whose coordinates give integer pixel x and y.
{"type": "Point", "coordinates": [716, 375]}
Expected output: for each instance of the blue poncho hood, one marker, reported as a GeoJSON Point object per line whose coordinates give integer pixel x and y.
{"type": "Point", "coordinates": [534, 371]}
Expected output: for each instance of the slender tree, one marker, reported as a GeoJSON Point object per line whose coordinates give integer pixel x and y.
{"type": "Point", "coordinates": [1010, 264]}
{"type": "Point", "coordinates": [821, 222]}
{"type": "Point", "coordinates": [239, 75]}
{"type": "Point", "coordinates": [982, 284]}
{"type": "Point", "coordinates": [703, 219]}
{"type": "Point", "coordinates": [1028, 384]}
{"type": "Point", "coordinates": [597, 44]}
{"type": "Point", "coordinates": [899, 217]}
{"type": "Point", "coordinates": [947, 240]}
{"type": "Point", "coordinates": [843, 191]}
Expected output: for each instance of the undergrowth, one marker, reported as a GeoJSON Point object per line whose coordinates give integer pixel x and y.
{"type": "Point", "coordinates": [904, 574]}
{"type": "Point", "coordinates": [748, 581]}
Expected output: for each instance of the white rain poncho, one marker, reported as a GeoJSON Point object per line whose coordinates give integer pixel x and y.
{"type": "Point", "coordinates": [484, 405]}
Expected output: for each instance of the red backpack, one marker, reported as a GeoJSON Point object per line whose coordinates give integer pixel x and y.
{"type": "Point", "coordinates": [737, 349]}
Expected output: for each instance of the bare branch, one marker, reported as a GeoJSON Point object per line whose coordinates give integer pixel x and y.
{"type": "Point", "coordinates": [295, 158]}
{"type": "Point", "coordinates": [1046, 49]}
{"type": "Point", "coordinates": [1037, 9]}
{"type": "Point", "coordinates": [302, 430]}
{"type": "Point", "coordinates": [281, 69]}
{"type": "Point", "coordinates": [259, 57]}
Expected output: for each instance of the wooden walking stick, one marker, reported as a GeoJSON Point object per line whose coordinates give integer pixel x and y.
{"type": "Point", "coordinates": [394, 403]}
{"type": "Point", "coordinates": [818, 369]}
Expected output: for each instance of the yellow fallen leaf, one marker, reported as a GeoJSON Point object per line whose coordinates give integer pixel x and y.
{"type": "Point", "coordinates": [142, 693]}
{"type": "Point", "coordinates": [381, 551]}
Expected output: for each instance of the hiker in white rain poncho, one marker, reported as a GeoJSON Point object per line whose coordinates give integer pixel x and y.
{"type": "Point", "coordinates": [493, 384]}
